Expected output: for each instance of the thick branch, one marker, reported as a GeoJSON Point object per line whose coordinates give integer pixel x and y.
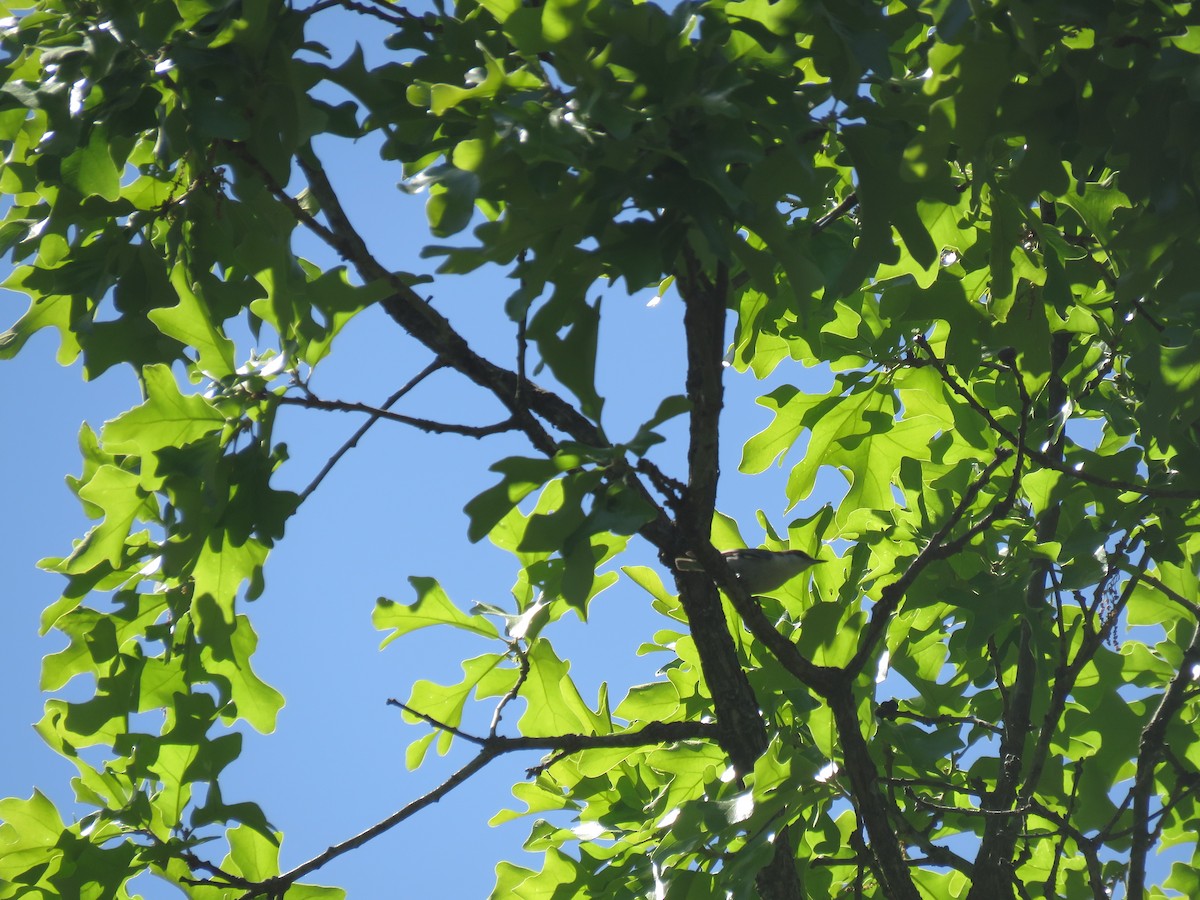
{"type": "Point", "coordinates": [521, 397]}
{"type": "Point", "coordinates": [1150, 750]}
{"type": "Point", "coordinates": [866, 790]}
{"type": "Point", "coordinates": [993, 877]}
{"type": "Point", "coordinates": [743, 734]}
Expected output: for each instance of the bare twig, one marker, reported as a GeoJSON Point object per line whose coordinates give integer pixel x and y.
{"type": "Point", "coordinates": [512, 693]}
{"type": "Point", "coordinates": [898, 713]}
{"type": "Point", "coordinates": [277, 884]}
{"type": "Point", "coordinates": [311, 401]}
{"type": "Point", "coordinates": [366, 426]}
{"type": "Point", "coordinates": [393, 14]}
{"type": "Point", "coordinates": [837, 212]}
{"type": "Point", "coordinates": [653, 733]}
{"type": "Point", "coordinates": [437, 723]}
{"type": "Point", "coordinates": [969, 811]}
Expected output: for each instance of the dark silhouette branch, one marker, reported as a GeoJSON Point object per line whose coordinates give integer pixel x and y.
{"type": "Point", "coordinates": [897, 713]}
{"type": "Point", "coordinates": [1150, 751]}
{"type": "Point", "coordinates": [393, 14]}
{"type": "Point", "coordinates": [836, 213]}
{"type": "Point", "coordinates": [994, 878]}
{"type": "Point", "coordinates": [311, 401]}
{"type": "Point", "coordinates": [743, 734]}
{"type": "Point", "coordinates": [523, 398]}
{"type": "Point", "coordinates": [650, 734]}
{"type": "Point", "coordinates": [366, 426]}
{"type": "Point", "coordinates": [874, 810]}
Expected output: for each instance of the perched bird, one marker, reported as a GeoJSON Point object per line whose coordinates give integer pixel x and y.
{"type": "Point", "coordinates": [759, 571]}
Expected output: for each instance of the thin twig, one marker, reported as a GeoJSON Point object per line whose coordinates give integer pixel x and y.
{"type": "Point", "coordinates": [837, 212]}
{"type": "Point", "coordinates": [366, 426]}
{"type": "Point", "coordinates": [648, 734]}
{"type": "Point", "coordinates": [394, 15]}
{"type": "Point", "coordinates": [937, 548]}
{"type": "Point", "coordinates": [1149, 749]}
{"type": "Point", "coordinates": [937, 720]}
{"type": "Point", "coordinates": [1039, 456]}
{"type": "Point", "coordinates": [311, 401]}
{"type": "Point", "coordinates": [437, 723]}
{"type": "Point", "coordinates": [275, 885]}
{"type": "Point", "coordinates": [513, 692]}
{"type": "Point", "coordinates": [969, 811]}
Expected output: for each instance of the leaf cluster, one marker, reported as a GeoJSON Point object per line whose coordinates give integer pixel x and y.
{"type": "Point", "coordinates": [978, 218]}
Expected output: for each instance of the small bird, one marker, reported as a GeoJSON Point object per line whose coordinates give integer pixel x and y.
{"type": "Point", "coordinates": [759, 571]}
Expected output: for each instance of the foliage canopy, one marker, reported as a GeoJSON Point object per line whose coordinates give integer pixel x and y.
{"type": "Point", "coordinates": [979, 216]}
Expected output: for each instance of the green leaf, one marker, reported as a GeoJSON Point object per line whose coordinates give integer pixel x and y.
{"type": "Point", "coordinates": [554, 705]}
{"type": "Point", "coordinates": [190, 323]}
{"type": "Point", "coordinates": [252, 855]}
{"type": "Point", "coordinates": [432, 607]}
{"type": "Point", "coordinates": [29, 830]}
{"type": "Point", "coordinates": [227, 656]}
{"type": "Point", "coordinates": [445, 703]}
{"type": "Point", "coordinates": [521, 476]}
{"type": "Point", "coordinates": [168, 418]}
{"type": "Point", "coordinates": [91, 169]}
{"type": "Point", "coordinates": [118, 494]}
{"type": "Point", "coordinates": [646, 437]}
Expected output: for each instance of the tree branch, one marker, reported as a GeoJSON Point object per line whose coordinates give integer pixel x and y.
{"type": "Point", "coordinates": [1041, 457]}
{"type": "Point", "coordinates": [312, 401]}
{"type": "Point", "coordinates": [937, 548]}
{"type": "Point", "coordinates": [1150, 750]}
{"type": "Point", "coordinates": [743, 734]}
{"type": "Point", "coordinates": [492, 747]}
{"type": "Point", "coordinates": [366, 426]}
{"type": "Point", "coordinates": [278, 884]}
{"type": "Point", "coordinates": [523, 398]}
{"type": "Point", "coordinates": [873, 809]}
{"type": "Point", "coordinates": [393, 14]}
{"type": "Point", "coordinates": [994, 879]}
{"type": "Point", "coordinates": [1171, 594]}
{"type": "Point", "coordinates": [648, 734]}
